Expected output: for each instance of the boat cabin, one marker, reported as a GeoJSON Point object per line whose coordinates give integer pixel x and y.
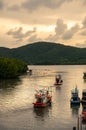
{"type": "Point", "coordinates": [84, 93]}
{"type": "Point", "coordinates": [58, 80]}
{"type": "Point", "coordinates": [75, 92]}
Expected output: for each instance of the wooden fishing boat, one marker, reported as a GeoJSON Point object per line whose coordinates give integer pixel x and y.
{"type": "Point", "coordinates": [83, 100]}
{"type": "Point", "coordinates": [74, 96]}
{"type": "Point", "coordinates": [84, 75]}
{"type": "Point", "coordinates": [58, 80]}
{"type": "Point", "coordinates": [83, 115]}
{"type": "Point", "coordinates": [43, 98]}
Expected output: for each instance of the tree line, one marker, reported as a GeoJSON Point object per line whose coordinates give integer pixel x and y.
{"type": "Point", "coordinates": [11, 68]}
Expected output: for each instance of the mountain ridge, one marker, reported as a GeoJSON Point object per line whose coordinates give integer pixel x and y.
{"type": "Point", "coordinates": [46, 53]}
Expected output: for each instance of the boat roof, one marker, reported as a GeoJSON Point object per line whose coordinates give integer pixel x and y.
{"type": "Point", "coordinates": [75, 90]}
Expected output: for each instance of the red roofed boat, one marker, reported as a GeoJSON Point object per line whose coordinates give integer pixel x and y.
{"type": "Point", "coordinates": [84, 114]}
{"type": "Point", "coordinates": [43, 98]}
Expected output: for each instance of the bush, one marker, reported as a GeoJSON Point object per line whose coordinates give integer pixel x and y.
{"type": "Point", "coordinates": [12, 68]}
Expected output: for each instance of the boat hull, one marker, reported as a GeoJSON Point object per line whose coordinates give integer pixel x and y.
{"type": "Point", "coordinates": [58, 83]}
{"type": "Point", "coordinates": [75, 101]}
{"type": "Point", "coordinates": [41, 105]}
{"type": "Point", "coordinates": [83, 101]}
{"type": "Point", "coordinates": [83, 116]}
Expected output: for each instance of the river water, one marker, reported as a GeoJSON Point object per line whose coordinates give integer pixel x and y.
{"type": "Point", "coordinates": [17, 96]}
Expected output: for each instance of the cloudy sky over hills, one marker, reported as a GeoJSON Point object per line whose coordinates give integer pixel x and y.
{"type": "Point", "coordinates": [26, 21]}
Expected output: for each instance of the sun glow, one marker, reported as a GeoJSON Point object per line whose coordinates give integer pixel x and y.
{"type": "Point", "coordinates": [44, 28]}
{"type": "Point", "coordinates": [70, 24]}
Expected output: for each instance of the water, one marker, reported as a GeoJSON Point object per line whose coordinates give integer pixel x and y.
{"type": "Point", "coordinates": [16, 97]}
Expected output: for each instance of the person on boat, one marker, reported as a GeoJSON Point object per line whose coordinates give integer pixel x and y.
{"type": "Point", "coordinates": [57, 79]}
{"type": "Point", "coordinates": [47, 92]}
{"type": "Point", "coordinates": [48, 98]}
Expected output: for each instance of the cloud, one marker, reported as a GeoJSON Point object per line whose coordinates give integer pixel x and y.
{"type": "Point", "coordinates": [71, 32]}
{"type": "Point", "coordinates": [60, 27]}
{"type": "Point", "coordinates": [62, 32]}
{"type": "Point", "coordinates": [31, 5]}
{"type": "Point", "coordinates": [18, 34]}
{"type": "Point", "coordinates": [52, 38]}
{"type": "Point", "coordinates": [1, 5]}
{"type": "Point", "coordinates": [84, 2]}
{"type": "Point", "coordinates": [81, 45]}
{"type": "Point", "coordinates": [34, 38]}
{"type": "Point", "coordinates": [83, 33]}
{"type": "Point", "coordinates": [84, 22]}
{"type": "Point", "coordinates": [14, 8]}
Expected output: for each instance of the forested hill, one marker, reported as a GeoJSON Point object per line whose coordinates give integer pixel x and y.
{"type": "Point", "coordinates": [45, 53]}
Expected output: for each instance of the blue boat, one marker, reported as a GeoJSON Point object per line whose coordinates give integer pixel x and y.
{"type": "Point", "coordinates": [74, 96]}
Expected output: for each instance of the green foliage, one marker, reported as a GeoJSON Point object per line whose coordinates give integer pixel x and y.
{"type": "Point", "coordinates": [11, 68]}
{"type": "Point", "coordinates": [46, 53]}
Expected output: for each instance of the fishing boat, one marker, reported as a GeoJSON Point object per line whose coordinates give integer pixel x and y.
{"type": "Point", "coordinates": [58, 80]}
{"type": "Point", "coordinates": [43, 98]}
{"type": "Point", "coordinates": [84, 75]}
{"type": "Point", "coordinates": [83, 115]}
{"type": "Point", "coordinates": [74, 96]}
{"type": "Point", "coordinates": [83, 100]}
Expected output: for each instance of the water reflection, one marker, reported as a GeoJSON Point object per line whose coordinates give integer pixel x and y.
{"type": "Point", "coordinates": [58, 87]}
{"type": "Point", "coordinates": [41, 112]}
{"type": "Point", "coordinates": [16, 97]}
{"type": "Point", "coordinates": [75, 109]}
{"type": "Point", "coordinates": [9, 83]}
{"type": "Point", "coordinates": [83, 112]}
{"type": "Point", "coordinates": [84, 80]}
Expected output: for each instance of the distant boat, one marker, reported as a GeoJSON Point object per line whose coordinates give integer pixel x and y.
{"type": "Point", "coordinates": [83, 100]}
{"type": "Point", "coordinates": [29, 71]}
{"type": "Point", "coordinates": [58, 80]}
{"type": "Point", "coordinates": [43, 98]}
{"type": "Point", "coordinates": [84, 75]}
{"type": "Point", "coordinates": [75, 96]}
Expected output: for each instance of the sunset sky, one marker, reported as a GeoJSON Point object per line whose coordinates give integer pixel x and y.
{"type": "Point", "coordinates": [27, 21]}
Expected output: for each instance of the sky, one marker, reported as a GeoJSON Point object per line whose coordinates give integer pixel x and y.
{"type": "Point", "coordinates": [23, 22]}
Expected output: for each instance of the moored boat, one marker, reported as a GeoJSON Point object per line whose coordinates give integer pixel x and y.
{"type": "Point", "coordinates": [43, 98]}
{"type": "Point", "coordinates": [58, 80]}
{"type": "Point", "coordinates": [84, 75]}
{"type": "Point", "coordinates": [83, 115]}
{"type": "Point", "coordinates": [83, 100]}
{"type": "Point", "coordinates": [75, 96]}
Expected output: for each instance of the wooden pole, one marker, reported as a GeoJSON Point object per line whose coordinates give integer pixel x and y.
{"type": "Point", "coordinates": [78, 123]}
{"type": "Point", "coordinates": [74, 128]}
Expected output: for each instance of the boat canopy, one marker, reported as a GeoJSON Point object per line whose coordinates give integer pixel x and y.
{"type": "Point", "coordinates": [75, 91]}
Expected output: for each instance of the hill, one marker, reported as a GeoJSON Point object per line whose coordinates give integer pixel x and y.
{"type": "Point", "coordinates": [46, 53]}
